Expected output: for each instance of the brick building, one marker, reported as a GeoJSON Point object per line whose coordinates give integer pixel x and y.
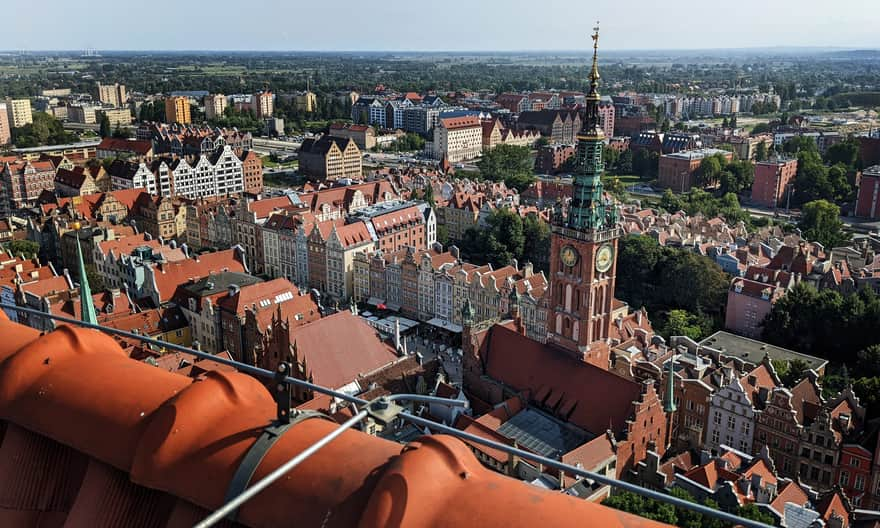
{"type": "Point", "coordinates": [22, 183]}
{"type": "Point", "coordinates": [252, 169]}
{"type": "Point", "coordinates": [773, 180]}
{"type": "Point", "coordinates": [331, 158]}
{"type": "Point", "coordinates": [551, 158]}
{"type": "Point", "coordinates": [868, 201]}
{"type": "Point", "coordinates": [678, 170]}
{"type": "Point", "coordinates": [558, 126]}
{"type": "Point", "coordinates": [748, 303]}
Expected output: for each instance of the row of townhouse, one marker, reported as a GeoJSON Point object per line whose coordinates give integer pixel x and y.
{"type": "Point", "coordinates": [728, 402]}
{"type": "Point", "coordinates": [190, 140]}
{"type": "Point", "coordinates": [220, 173]}
{"type": "Point", "coordinates": [431, 285]}
{"type": "Point", "coordinates": [410, 112]}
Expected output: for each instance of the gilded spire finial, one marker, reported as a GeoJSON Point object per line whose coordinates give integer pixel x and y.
{"type": "Point", "coordinates": [594, 73]}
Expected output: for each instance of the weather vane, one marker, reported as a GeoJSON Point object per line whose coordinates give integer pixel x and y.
{"type": "Point", "coordinates": [596, 35]}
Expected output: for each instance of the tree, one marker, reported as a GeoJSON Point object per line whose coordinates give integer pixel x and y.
{"type": "Point", "coordinates": [648, 508]}
{"type": "Point", "coordinates": [682, 323]}
{"type": "Point", "coordinates": [868, 361]}
{"type": "Point", "coordinates": [733, 121]}
{"type": "Point", "coordinates": [443, 234]}
{"type": "Point", "coordinates": [428, 195]}
{"type": "Point", "coordinates": [44, 130]}
{"type": "Point", "coordinates": [761, 151]}
{"type": "Point", "coordinates": [737, 176]}
{"type": "Point", "coordinates": [96, 279]}
{"type": "Point", "coordinates": [104, 130]}
{"type": "Point", "coordinates": [536, 248]}
{"type": "Point", "coordinates": [846, 153]}
{"type": "Point", "coordinates": [645, 163]}
{"type": "Point", "coordinates": [751, 511]}
{"type": "Point", "coordinates": [508, 163]}
{"type": "Point", "coordinates": [709, 171]}
{"type": "Point", "coordinates": [820, 221]}
{"type": "Point", "coordinates": [26, 248]}
{"type": "Point", "coordinates": [800, 143]}
{"type": "Point", "coordinates": [625, 162]}
{"type": "Point", "coordinates": [761, 128]}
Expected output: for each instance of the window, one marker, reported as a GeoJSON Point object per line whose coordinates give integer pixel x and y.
{"type": "Point", "coordinates": [854, 462]}
{"type": "Point", "coordinates": [860, 482]}
{"type": "Point", "coordinates": [731, 422]}
{"type": "Point", "coordinates": [717, 418]}
{"type": "Point", "coordinates": [715, 436]}
{"type": "Point", "coordinates": [829, 459]}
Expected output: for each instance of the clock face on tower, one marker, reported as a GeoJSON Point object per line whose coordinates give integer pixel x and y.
{"type": "Point", "coordinates": [569, 256]}
{"type": "Point", "coordinates": [604, 258]}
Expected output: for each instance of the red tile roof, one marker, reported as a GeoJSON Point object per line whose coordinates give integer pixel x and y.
{"type": "Point", "coordinates": [170, 275]}
{"type": "Point", "coordinates": [340, 348]}
{"type": "Point", "coordinates": [141, 148]}
{"type": "Point", "coordinates": [46, 286]}
{"type": "Point", "coordinates": [550, 375]}
{"type": "Point", "coordinates": [455, 123]}
{"type": "Point", "coordinates": [259, 293]}
{"type": "Point", "coordinates": [94, 438]}
{"type": "Point", "coordinates": [353, 234]}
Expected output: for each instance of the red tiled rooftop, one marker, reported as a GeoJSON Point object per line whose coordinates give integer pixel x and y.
{"type": "Point", "coordinates": [94, 438]}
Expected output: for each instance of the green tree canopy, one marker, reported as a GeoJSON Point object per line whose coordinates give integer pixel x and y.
{"type": "Point", "coordinates": [45, 130]}
{"type": "Point", "coordinates": [26, 248]}
{"type": "Point", "coordinates": [511, 164]}
{"type": "Point", "coordinates": [104, 129]}
{"type": "Point", "coordinates": [820, 221]}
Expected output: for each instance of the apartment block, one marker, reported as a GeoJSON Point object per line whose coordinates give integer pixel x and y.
{"type": "Point", "coordinates": [177, 110]}
{"type": "Point", "coordinates": [458, 138]}
{"type": "Point", "coordinates": [773, 180]}
{"type": "Point", "coordinates": [117, 116]}
{"type": "Point", "coordinates": [112, 94]}
{"type": "Point", "coordinates": [215, 105]}
{"type": "Point", "coordinates": [677, 171]}
{"type": "Point", "coordinates": [5, 129]}
{"type": "Point", "coordinates": [868, 202]}
{"type": "Point", "coordinates": [19, 112]}
{"type": "Point", "coordinates": [263, 104]}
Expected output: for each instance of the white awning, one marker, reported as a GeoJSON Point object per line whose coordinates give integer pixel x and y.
{"type": "Point", "coordinates": [446, 325]}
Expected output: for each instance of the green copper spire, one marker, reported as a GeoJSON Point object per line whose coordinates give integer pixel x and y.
{"type": "Point", "coordinates": [588, 210]}
{"type": "Point", "coordinates": [85, 293]}
{"type": "Point", "coordinates": [669, 404]}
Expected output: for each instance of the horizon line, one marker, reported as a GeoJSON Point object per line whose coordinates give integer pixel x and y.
{"type": "Point", "coordinates": [446, 51]}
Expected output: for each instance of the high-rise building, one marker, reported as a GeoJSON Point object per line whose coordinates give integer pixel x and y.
{"type": "Point", "coordinates": [263, 104]}
{"type": "Point", "coordinates": [584, 247]}
{"type": "Point", "coordinates": [177, 110]}
{"type": "Point", "coordinates": [19, 112]}
{"type": "Point", "coordinates": [306, 102]}
{"type": "Point", "coordinates": [868, 202]}
{"type": "Point", "coordinates": [773, 180]}
{"type": "Point", "coordinates": [5, 129]}
{"type": "Point", "coordinates": [112, 94]}
{"type": "Point", "coordinates": [215, 105]}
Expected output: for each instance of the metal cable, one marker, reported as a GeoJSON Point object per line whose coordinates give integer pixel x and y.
{"type": "Point", "coordinates": [417, 420]}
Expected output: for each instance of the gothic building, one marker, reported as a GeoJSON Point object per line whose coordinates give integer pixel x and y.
{"type": "Point", "coordinates": [569, 376]}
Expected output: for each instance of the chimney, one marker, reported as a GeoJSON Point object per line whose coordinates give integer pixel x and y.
{"type": "Point", "coordinates": [453, 250]}
{"type": "Point", "coordinates": [396, 335]}
{"type": "Point", "coordinates": [639, 317]}
{"type": "Point", "coordinates": [528, 270]}
{"type": "Point", "coordinates": [233, 290]}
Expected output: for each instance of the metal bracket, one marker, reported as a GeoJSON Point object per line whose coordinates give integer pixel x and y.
{"type": "Point", "coordinates": [282, 392]}
{"type": "Point", "coordinates": [383, 410]}
{"type": "Point", "coordinates": [245, 472]}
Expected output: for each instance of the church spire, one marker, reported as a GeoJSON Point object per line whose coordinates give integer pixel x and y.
{"type": "Point", "coordinates": [88, 314]}
{"type": "Point", "coordinates": [594, 72]}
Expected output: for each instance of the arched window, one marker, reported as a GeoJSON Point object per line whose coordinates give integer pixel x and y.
{"type": "Point", "coordinates": [558, 324]}
{"type": "Point", "coordinates": [568, 297]}
{"type": "Point", "coordinates": [576, 332]}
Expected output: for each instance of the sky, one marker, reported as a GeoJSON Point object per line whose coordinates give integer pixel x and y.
{"type": "Point", "coordinates": [448, 25]}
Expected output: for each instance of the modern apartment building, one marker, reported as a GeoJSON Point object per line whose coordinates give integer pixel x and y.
{"type": "Point", "coordinates": [177, 110]}
{"type": "Point", "coordinates": [82, 113]}
{"type": "Point", "coordinates": [868, 202]}
{"type": "Point", "coordinates": [116, 116]}
{"type": "Point", "coordinates": [263, 104]}
{"type": "Point", "coordinates": [677, 171]}
{"type": "Point", "coordinates": [5, 129]}
{"type": "Point", "coordinates": [19, 112]}
{"type": "Point", "coordinates": [215, 105]}
{"type": "Point", "coordinates": [773, 181]}
{"type": "Point", "coordinates": [306, 102]}
{"type": "Point", "coordinates": [331, 158]}
{"type": "Point", "coordinates": [112, 94]}
{"type": "Point", "coordinates": [458, 138]}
